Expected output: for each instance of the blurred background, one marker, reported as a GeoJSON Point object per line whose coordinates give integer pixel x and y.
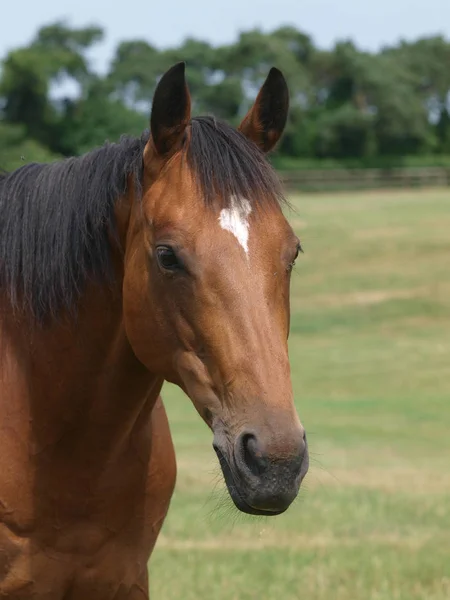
{"type": "Point", "coordinates": [366, 163]}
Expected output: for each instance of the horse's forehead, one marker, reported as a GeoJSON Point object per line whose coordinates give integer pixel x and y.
{"type": "Point", "coordinates": [235, 219]}
{"type": "Point", "coordinates": [183, 209]}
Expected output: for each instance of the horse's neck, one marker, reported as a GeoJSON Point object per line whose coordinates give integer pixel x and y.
{"type": "Point", "coordinates": [75, 388]}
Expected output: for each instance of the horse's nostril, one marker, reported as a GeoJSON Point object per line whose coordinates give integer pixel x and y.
{"type": "Point", "coordinates": [253, 455]}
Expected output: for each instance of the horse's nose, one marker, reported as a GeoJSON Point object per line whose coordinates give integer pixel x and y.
{"type": "Point", "coordinates": [252, 454]}
{"type": "Point", "coordinates": [270, 469]}
{"type": "Point", "coordinates": [256, 454]}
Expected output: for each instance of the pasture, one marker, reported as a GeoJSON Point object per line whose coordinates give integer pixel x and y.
{"type": "Point", "coordinates": [370, 355]}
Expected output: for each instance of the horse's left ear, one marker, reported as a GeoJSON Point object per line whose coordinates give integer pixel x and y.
{"type": "Point", "coordinates": [265, 121]}
{"type": "Point", "coordinates": [171, 110]}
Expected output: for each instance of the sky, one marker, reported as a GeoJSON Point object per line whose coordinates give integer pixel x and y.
{"type": "Point", "coordinates": [166, 23]}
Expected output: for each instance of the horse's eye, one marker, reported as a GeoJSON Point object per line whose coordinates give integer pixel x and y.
{"type": "Point", "coordinates": [299, 249]}
{"type": "Point", "coordinates": [167, 258]}
{"type": "Point", "coordinates": [292, 263]}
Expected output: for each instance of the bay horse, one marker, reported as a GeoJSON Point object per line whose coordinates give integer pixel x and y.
{"type": "Point", "coordinates": [162, 258]}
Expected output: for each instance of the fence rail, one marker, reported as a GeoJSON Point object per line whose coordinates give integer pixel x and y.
{"type": "Point", "coordinates": [334, 179]}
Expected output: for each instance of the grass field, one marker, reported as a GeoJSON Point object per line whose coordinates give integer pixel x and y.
{"type": "Point", "coordinates": [370, 354]}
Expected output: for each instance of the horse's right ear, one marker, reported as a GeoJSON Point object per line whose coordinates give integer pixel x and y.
{"type": "Point", "coordinates": [265, 121]}
{"type": "Point", "coordinates": [171, 110]}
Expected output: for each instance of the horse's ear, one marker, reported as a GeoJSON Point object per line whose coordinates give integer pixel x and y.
{"type": "Point", "coordinates": [171, 110]}
{"type": "Point", "coordinates": [265, 121]}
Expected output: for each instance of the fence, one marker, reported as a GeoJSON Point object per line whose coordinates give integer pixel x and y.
{"type": "Point", "coordinates": [347, 179]}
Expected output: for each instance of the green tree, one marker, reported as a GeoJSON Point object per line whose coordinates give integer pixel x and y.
{"type": "Point", "coordinates": [345, 103]}
{"type": "Point", "coordinates": [54, 56]}
{"type": "Point", "coordinates": [428, 60]}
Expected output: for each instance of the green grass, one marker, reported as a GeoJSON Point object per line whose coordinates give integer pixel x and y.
{"type": "Point", "coordinates": [370, 354]}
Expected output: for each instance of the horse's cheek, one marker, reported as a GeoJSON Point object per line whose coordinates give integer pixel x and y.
{"type": "Point", "coordinates": [143, 320]}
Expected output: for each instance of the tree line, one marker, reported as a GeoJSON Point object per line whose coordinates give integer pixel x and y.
{"type": "Point", "coordinates": [346, 104]}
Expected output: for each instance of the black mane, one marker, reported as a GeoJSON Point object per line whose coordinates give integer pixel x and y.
{"type": "Point", "coordinates": [56, 219]}
{"type": "Point", "coordinates": [227, 164]}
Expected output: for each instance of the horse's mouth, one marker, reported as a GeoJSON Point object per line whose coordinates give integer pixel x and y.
{"type": "Point", "coordinates": [235, 493]}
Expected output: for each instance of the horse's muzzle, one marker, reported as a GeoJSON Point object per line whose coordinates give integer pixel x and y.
{"type": "Point", "coordinates": [261, 483]}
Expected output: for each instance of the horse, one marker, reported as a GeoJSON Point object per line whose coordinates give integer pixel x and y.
{"type": "Point", "coordinates": [165, 257]}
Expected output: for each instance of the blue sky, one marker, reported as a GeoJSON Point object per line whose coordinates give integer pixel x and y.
{"type": "Point", "coordinates": [168, 22]}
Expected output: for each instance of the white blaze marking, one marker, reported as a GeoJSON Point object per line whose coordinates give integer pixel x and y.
{"type": "Point", "coordinates": [235, 220]}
